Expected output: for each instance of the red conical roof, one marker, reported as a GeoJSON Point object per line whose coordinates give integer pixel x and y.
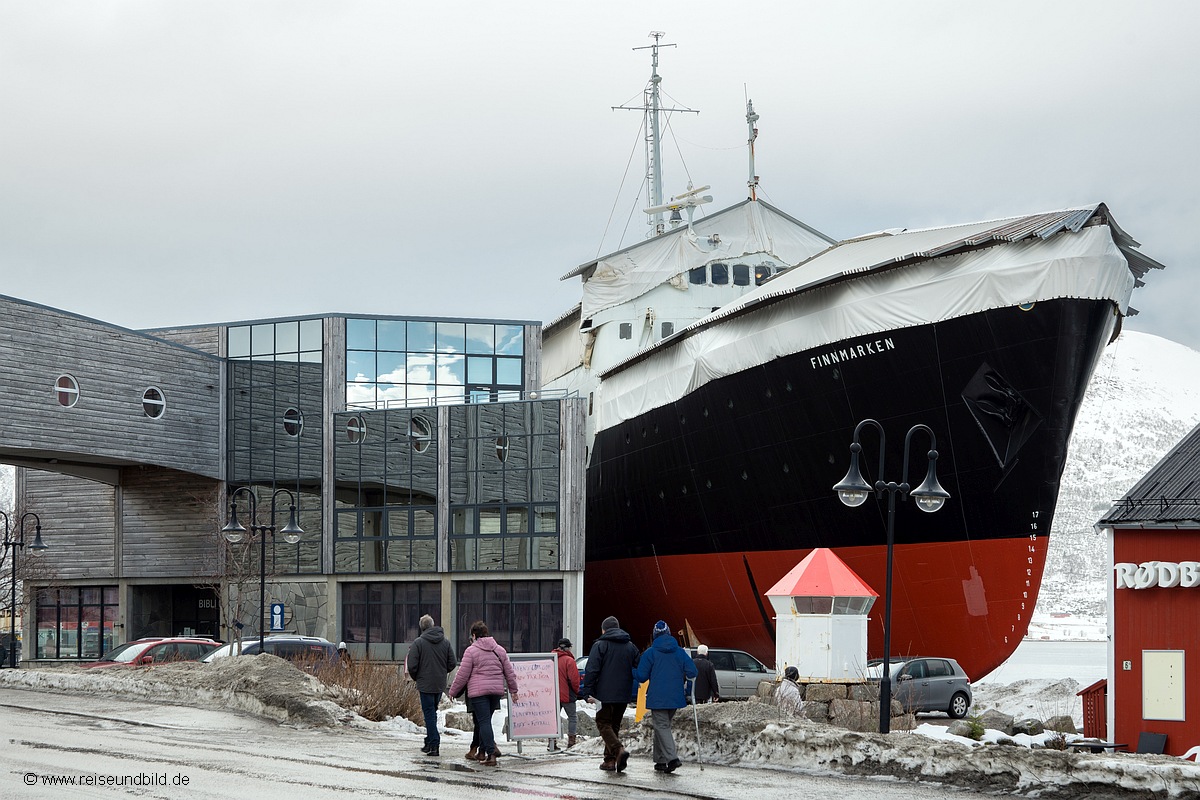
{"type": "Point", "coordinates": [821, 574]}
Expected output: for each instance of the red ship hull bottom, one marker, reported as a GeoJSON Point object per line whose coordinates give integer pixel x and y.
{"type": "Point", "coordinates": [970, 601]}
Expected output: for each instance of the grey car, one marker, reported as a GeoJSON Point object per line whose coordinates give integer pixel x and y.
{"type": "Point", "coordinates": [929, 684]}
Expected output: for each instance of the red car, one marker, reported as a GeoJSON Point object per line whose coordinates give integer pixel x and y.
{"type": "Point", "coordinates": [155, 650]}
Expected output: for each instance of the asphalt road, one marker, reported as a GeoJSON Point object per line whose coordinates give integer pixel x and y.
{"type": "Point", "coordinates": [64, 746]}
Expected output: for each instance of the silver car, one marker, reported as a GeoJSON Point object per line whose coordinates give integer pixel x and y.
{"type": "Point", "coordinates": [738, 672]}
{"type": "Point", "coordinates": [928, 684]}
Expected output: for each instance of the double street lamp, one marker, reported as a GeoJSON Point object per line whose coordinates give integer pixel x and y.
{"type": "Point", "coordinates": [929, 497]}
{"type": "Point", "coordinates": [234, 531]}
{"type": "Point", "coordinates": [11, 543]}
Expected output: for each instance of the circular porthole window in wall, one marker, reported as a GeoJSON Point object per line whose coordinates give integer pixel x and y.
{"type": "Point", "coordinates": [356, 430]}
{"type": "Point", "coordinates": [66, 390]}
{"type": "Point", "coordinates": [420, 432]}
{"type": "Point", "coordinates": [293, 422]}
{"type": "Point", "coordinates": [154, 402]}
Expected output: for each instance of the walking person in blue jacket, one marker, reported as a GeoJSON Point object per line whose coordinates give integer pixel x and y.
{"type": "Point", "coordinates": [667, 666]}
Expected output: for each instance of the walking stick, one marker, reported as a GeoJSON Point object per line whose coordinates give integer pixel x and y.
{"type": "Point", "coordinates": [696, 717]}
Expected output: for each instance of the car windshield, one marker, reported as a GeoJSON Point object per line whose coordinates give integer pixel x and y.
{"type": "Point", "coordinates": [248, 648]}
{"type": "Point", "coordinates": [125, 653]}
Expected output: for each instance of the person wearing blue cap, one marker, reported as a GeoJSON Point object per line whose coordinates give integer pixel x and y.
{"type": "Point", "coordinates": [668, 667]}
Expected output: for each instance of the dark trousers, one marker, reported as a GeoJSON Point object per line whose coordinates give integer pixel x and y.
{"type": "Point", "coordinates": [429, 704]}
{"type": "Point", "coordinates": [481, 710]}
{"type": "Point", "coordinates": [608, 721]}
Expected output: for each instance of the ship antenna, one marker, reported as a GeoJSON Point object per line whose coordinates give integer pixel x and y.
{"type": "Point", "coordinates": [751, 119]}
{"type": "Point", "coordinates": [652, 108]}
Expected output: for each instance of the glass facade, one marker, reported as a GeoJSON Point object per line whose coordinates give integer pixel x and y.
{"type": "Point", "coordinates": [523, 616]}
{"type": "Point", "coordinates": [76, 622]}
{"type": "Point", "coordinates": [274, 420]}
{"type": "Point", "coordinates": [386, 473]}
{"type": "Point", "coordinates": [378, 617]}
{"type": "Point", "coordinates": [504, 485]}
{"type": "Point", "coordinates": [395, 362]}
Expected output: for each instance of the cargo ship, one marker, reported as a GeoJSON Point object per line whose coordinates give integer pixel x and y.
{"type": "Point", "coordinates": [728, 358]}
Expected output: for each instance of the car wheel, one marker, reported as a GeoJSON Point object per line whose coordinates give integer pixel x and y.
{"type": "Point", "coordinates": [958, 706]}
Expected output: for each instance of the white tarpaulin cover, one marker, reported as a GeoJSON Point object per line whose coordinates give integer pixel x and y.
{"type": "Point", "coordinates": [1086, 264]}
{"type": "Point", "coordinates": [747, 228]}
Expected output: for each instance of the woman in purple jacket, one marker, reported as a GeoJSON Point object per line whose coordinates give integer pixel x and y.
{"type": "Point", "coordinates": [484, 673]}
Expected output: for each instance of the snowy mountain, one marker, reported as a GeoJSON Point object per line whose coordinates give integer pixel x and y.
{"type": "Point", "coordinates": [1144, 398]}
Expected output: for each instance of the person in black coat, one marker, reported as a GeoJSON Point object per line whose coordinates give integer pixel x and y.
{"type": "Point", "coordinates": [608, 678]}
{"type": "Point", "coordinates": [707, 688]}
{"type": "Point", "coordinates": [430, 660]}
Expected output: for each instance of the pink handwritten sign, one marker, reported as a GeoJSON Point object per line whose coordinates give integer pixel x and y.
{"type": "Point", "coordinates": [535, 712]}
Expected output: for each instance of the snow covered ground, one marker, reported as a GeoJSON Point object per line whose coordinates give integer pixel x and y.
{"type": "Point", "coordinates": [746, 734]}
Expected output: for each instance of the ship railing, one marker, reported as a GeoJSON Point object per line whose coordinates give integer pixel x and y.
{"type": "Point", "coordinates": [474, 397]}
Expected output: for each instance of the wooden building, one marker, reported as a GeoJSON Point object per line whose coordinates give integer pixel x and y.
{"type": "Point", "coordinates": [1154, 603]}
{"type": "Point", "coordinates": [429, 472]}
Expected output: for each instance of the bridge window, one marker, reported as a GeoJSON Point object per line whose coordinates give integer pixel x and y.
{"type": "Point", "coordinates": [696, 276]}
{"type": "Point", "coordinates": [668, 328]}
{"type": "Point", "coordinates": [761, 273]}
{"type": "Point", "coordinates": [626, 330]}
{"type": "Point", "coordinates": [720, 274]}
{"type": "Point", "coordinates": [154, 403]}
{"type": "Point", "coordinates": [67, 391]}
{"type": "Point", "coordinates": [741, 275]}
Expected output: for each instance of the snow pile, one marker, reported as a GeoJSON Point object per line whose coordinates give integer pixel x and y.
{"type": "Point", "coordinates": [752, 733]}
{"type": "Point", "coordinates": [264, 685]}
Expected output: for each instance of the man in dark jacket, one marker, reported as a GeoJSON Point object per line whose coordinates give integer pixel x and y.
{"type": "Point", "coordinates": [667, 667]}
{"type": "Point", "coordinates": [608, 679]}
{"type": "Point", "coordinates": [430, 660]}
{"type": "Point", "coordinates": [707, 688]}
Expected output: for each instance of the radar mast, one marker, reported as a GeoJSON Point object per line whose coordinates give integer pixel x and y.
{"type": "Point", "coordinates": [652, 109]}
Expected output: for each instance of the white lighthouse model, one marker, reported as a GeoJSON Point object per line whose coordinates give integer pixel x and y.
{"type": "Point", "coordinates": [821, 611]}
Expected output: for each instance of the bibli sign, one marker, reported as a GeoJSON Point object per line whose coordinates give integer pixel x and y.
{"type": "Point", "coordinates": [534, 714]}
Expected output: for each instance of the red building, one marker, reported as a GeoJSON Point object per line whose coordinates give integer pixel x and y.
{"type": "Point", "coordinates": [1154, 604]}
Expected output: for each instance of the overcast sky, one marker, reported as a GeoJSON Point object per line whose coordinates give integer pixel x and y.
{"type": "Point", "coordinates": [181, 162]}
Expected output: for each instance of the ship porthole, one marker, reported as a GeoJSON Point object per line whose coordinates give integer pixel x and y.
{"type": "Point", "coordinates": [627, 438]}
{"type": "Point", "coordinates": [643, 433]}
{"type": "Point", "coordinates": [789, 386]}
{"type": "Point", "coordinates": [682, 419]}
{"type": "Point", "coordinates": [1026, 306]}
{"type": "Point", "coordinates": [661, 496]}
{"type": "Point", "coordinates": [769, 393]}
{"type": "Point", "coordinates": [731, 403]}
{"type": "Point", "coordinates": [745, 477]}
{"type": "Point", "coordinates": [785, 468]}
{"type": "Point", "coordinates": [684, 489]}
{"type": "Point", "coordinates": [708, 484]}
{"type": "Point", "coordinates": [706, 413]}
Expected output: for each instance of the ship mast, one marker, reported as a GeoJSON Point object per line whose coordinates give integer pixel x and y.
{"type": "Point", "coordinates": [652, 109]}
{"type": "Point", "coordinates": [751, 119]}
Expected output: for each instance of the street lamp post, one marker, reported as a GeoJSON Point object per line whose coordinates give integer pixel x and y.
{"type": "Point", "coordinates": [929, 497]}
{"type": "Point", "coordinates": [234, 531]}
{"type": "Point", "coordinates": [11, 543]}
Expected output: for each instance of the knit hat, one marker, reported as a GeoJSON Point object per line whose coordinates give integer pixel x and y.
{"type": "Point", "coordinates": [792, 674]}
{"type": "Point", "coordinates": [609, 623]}
{"type": "Point", "coordinates": [702, 650]}
{"type": "Point", "coordinates": [661, 628]}
{"type": "Point", "coordinates": [564, 643]}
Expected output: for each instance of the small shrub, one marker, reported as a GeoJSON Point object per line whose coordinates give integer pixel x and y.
{"type": "Point", "coordinates": [373, 691]}
{"type": "Point", "coordinates": [1056, 740]}
{"type": "Point", "coordinates": [975, 730]}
